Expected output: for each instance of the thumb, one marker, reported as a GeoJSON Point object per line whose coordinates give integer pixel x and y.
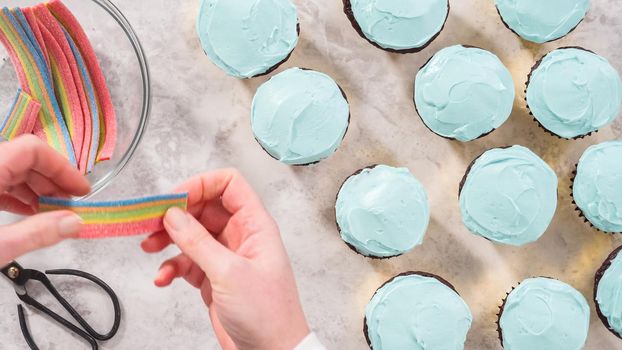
{"type": "Point", "coordinates": [36, 232]}
{"type": "Point", "coordinates": [198, 244]}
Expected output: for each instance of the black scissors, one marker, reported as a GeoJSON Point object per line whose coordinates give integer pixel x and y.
{"type": "Point", "coordinates": [20, 276]}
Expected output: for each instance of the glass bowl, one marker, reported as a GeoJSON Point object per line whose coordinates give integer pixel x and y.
{"type": "Point", "coordinates": [125, 67]}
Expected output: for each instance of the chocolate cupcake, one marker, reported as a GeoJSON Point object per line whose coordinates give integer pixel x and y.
{"type": "Point", "coordinates": [464, 93]}
{"type": "Point", "coordinates": [400, 26]}
{"type": "Point", "coordinates": [416, 310]}
{"type": "Point", "coordinates": [248, 38]}
{"type": "Point", "coordinates": [382, 211]}
{"type": "Point", "coordinates": [608, 293]}
{"type": "Point", "coordinates": [509, 196]}
{"type": "Point", "coordinates": [300, 116]}
{"type": "Point", "coordinates": [597, 186]}
{"type": "Point", "coordinates": [542, 21]}
{"type": "Point", "coordinates": [572, 92]}
{"type": "Point", "coordinates": [543, 313]}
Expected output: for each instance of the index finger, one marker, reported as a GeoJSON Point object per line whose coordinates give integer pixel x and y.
{"type": "Point", "coordinates": [228, 185]}
{"type": "Point", "coordinates": [28, 153]}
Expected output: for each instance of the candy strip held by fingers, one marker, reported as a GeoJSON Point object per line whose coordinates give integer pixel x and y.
{"type": "Point", "coordinates": [21, 117]}
{"type": "Point", "coordinates": [48, 21]}
{"type": "Point", "coordinates": [38, 82]}
{"type": "Point", "coordinates": [119, 218]}
{"type": "Point", "coordinates": [73, 27]}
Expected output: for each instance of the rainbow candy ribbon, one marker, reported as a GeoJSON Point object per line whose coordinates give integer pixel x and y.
{"type": "Point", "coordinates": [32, 68]}
{"type": "Point", "coordinates": [118, 218]}
{"type": "Point", "coordinates": [57, 66]}
{"type": "Point", "coordinates": [21, 117]}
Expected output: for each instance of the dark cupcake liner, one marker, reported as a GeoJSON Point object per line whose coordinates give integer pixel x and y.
{"type": "Point", "coordinates": [339, 228]}
{"type": "Point", "coordinates": [409, 273]}
{"type": "Point", "coordinates": [502, 308]}
{"type": "Point", "coordinates": [533, 69]}
{"type": "Point", "coordinates": [419, 114]}
{"type": "Point", "coordinates": [343, 138]}
{"type": "Point", "coordinates": [347, 9]}
{"type": "Point", "coordinates": [599, 274]}
{"type": "Point", "coordinates": [520, 37]}
{"type": "Point", "coordinates": [578, 210]}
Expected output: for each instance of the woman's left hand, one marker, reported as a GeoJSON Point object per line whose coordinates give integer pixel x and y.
{"type": "Point", "coordinates": [28, 169]}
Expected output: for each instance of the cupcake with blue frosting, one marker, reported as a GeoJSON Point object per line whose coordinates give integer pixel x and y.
{"type": "Point", "coordinates": [508, 196]}
{"type": "Point", "coordinates": [382, 211]}
{"type": "Point", "coordinates": [248, 38]}
{"type": "Point", "coordinates": [597, 186]}
{"type": "Point", "coordinates": [572, 92]}
{"type": "Point", "coordinates": [401, 26]}
{"type": "Point", "coordinates": [541, 21]}
{"type": "Point", "coordinates": [416, 310]}
{"type": "Point", "coordinates": [464, 93]}
{"type": "Point", "coordinates": [543, 313]}
{"type": "Point", "coordinates": [608, 292]}
{"type": "Point", "coordinates": [300, 116]}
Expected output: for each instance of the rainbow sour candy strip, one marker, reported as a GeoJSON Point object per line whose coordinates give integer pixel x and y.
{"type": "Point", "coordinates": [38, 82]}
{"type": "Point", "coordinates": [66, 92]}
{"type": "Point", "coordinates": [48, 21]}
{"type": "Point", "coordinates": [108, 123]}
{"type": "Point", "coordinates": [21, 117]}
{"type": "Point", "coordinates": [119, 218]}
{"type": "Point", "coordinates": [90, 92]}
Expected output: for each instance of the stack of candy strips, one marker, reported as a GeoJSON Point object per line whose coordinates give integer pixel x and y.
{"type": "Point", "coordinates": [21, 117]}
{"type": "Point", "coordinates": [60, 76]}
{"type": "Point", "coordinates": [119, 218]}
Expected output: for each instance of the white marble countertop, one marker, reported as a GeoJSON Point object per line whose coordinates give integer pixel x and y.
{"type": "Point", "coordinates": [200, 121]}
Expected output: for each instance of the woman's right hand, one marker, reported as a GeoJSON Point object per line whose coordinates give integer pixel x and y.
{"type": "Point", "coordinates": [233, 253]}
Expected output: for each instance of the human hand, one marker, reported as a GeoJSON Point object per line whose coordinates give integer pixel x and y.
{"type": "Point", "coordinates": [234, 255]}
{"type": "Point", "coordinates": [29, 169]}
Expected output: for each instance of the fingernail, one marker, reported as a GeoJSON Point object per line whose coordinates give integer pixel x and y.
{"type": "Point", "coordinates": [176, 219]}
{"type": "Point", "coordinates": [69, 226]}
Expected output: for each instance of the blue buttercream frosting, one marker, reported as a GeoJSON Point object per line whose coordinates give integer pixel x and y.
{"type": "Point", "coordinates": [416, 312]}
{"type": "Point", "coordinates": [400, 24]}
{"type": "Point", "coordinates": [574, 92]}
{"type": "Point", "coordinates": [542, 20]}
{"type": "Point", "coordinates": [382, 211]}
{"type": "Point", "coordinates": [597, 188]}
{"type": "Point", "coordinates": [246, 38]}
{"type": "Point", "coordinates": [609, 294]}
{"type": "Point", "coordinates": [300, 116]}
{"type": "Point", "coordinates": [509, 196]}
{"type": "Point", "coordinates": [463, 93]}
{"type": "Point", "coordinates": [544, 314]}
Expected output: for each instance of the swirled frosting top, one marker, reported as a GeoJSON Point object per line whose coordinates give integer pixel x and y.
{"type": "Point", "coordinates": [574, 92]}
{"type": "Point", "coordinates": [300, 116]}
{"type": "Point", "coordinates": [540, 21]}
{"type": "Point", "coordinates": [509, 196]}
{"type": "Point", "coordinates": [417, 312]}
{"type": "Point", "coordinates": [246, 38]}
{"type": "Point", "coordinates": [609, 294]}
{"type": "Point", "coordinates": [400, 24]}
{"type": "Point", "coordinates": [597, 188]}
{"type": "Point", "coordinates": [382, 211]}
{"type": "Point", "coordinates": [543, 313]}
{"type": "Point", "coordinates": [463, 93]}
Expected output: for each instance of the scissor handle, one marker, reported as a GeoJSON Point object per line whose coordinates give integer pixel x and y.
{"type": "Point", "coordinates": [113, 297]}
{"type": "Point", "coordinates": [90, 335]}
{"type": "Point", "coordinates": [27, 299]}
